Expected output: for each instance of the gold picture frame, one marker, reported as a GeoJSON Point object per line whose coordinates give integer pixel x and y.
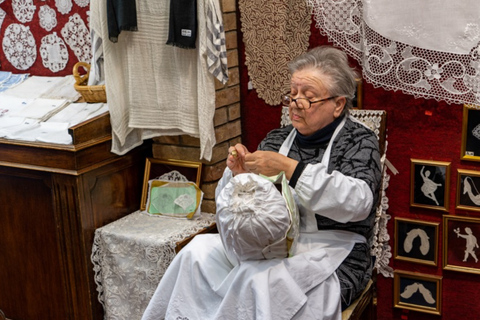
{"type": "Point", "coordinates": [430, 184]}
{"type": "Point", "coordinates": [460, 244]}
{"type": "Point", "coordinates": [470, 149]}
{"type": "Point", "coordinates": [468, 197]}
{"type": "Point", "coordinates": [417, 292]}
{"type": "Point", "coordinates": [358, 99]}
{"type": "Point", "coordinates": [154, 168]}
{"type": "Point", "coordinates": [416, 241]}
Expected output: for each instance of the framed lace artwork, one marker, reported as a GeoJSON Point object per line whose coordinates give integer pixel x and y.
{"type": "Point", "coordinates": [468, 195]}
{"type": "Point", "coordinates": [169, 170]}
{"type": "Point", "coordinates": [416, 241]}
{"type": "Point", "coordinates": [470, 149]}
{"type": "Point", "coordinates": [417, 291]}
{"type": "Point", "coordinates": [460, 244]}
{"type": "Point", "coordinates": [429, 187]}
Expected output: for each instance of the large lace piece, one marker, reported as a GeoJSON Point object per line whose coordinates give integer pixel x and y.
{"type": "Point", "coordinates": [131, 255]}
{"type": "Point", "coordinates": [424, 49]}
{"type": "Point", "coordinates": [274, 32]}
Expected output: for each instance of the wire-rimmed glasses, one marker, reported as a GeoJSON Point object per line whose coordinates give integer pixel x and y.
{"type": "Point", "coordinates": [301, 103]}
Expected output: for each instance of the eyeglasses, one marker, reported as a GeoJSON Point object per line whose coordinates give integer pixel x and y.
{"type": "Point", "coordinates": [301, 103]}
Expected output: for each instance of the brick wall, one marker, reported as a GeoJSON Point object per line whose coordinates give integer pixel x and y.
{"type": "Point", "coordinates": [227, 120]}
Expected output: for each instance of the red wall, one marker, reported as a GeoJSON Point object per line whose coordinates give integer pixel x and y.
{"type": "Point", "coordinates": [417, 128]}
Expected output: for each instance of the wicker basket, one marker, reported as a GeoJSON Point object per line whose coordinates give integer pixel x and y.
{"type": "Point", "coordinates": [89, 93]}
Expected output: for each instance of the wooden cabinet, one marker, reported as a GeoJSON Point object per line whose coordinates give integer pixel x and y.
{"type": "Point", "coordinates": [52, 198]}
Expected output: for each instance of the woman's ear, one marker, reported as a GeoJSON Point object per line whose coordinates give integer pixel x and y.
{"type": "Point", "coordinates": [340, 103]}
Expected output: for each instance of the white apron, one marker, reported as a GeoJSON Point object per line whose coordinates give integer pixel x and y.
{"type": "Point", "coordinates": [201, 283]}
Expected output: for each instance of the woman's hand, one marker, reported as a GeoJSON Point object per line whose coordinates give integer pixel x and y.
{"type": "Point", "coordinates": [236, 159]}
{"type": "Point", "coordinates": [269, 163]}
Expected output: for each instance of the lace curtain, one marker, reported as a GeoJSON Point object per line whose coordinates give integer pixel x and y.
{"type": "Point", "coordinates": [423, 48]}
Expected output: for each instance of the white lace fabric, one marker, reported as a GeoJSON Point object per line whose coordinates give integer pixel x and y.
{"type": "Point", "coordinates": [424, 49]}
{"type": "Point", "coordinates": [131, 255]}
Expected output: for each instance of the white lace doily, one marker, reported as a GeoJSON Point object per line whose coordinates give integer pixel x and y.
{"type": "Point", "coordinates": [64, 6]}
{"type": "Point", "coordinates": [82, 3]}
{"type": "Point", "coordinates": [54, 53]}
{"type": "Point", "coordinates": [435, 57]}
{"type": "Point", "coordinates": [3, 14]}
{"type": "Point", "coordinates": [47, 17]}
{"type": "Point", "coordinates": [19, 46]}
{"type": "Point", "coordinates": [78, 37]}
{"type": "Point", "coordinates": [23, 10]}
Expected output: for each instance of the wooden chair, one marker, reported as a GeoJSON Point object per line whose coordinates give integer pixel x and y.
{"type": "Point", "coordinates": [364, 307]}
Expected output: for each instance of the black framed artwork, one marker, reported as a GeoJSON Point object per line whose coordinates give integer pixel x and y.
{"type": "Point", "coordinates": [461, 244]}
{"type": "Point", "coordinates": [430, 181]}
{"type": "Point", "coordinates": [417, 292]}
{"type": "Point", "coordinates": [470, 149]}
{"type": "Point", "coordinates": [416, 241]}
{"type": "Point", "coordinates": [468, 187]}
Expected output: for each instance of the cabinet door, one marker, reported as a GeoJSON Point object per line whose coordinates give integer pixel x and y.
{"type": "Point", "coordinates": [31, 282]}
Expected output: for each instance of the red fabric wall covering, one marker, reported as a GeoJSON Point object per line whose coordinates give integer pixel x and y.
{"type": "Point", "coordinates": [417, 128]}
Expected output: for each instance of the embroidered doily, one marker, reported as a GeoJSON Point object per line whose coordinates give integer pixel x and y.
{"type": "Point", "coordinates": [23, 10]}
{"type": "Point", "coordinates": [78, 37]}
{"type": "Point", "coordinates": [47, 17]}
{"type": "Point", "coordinates": [422, 57]}
{"type": "Point", "coordinates": [54, 53]}
{"type": "Point", "coordinates": [82, 3]}
{"type": "Point", "coordinates": [64, 6]}
{"type": "Point", "coordinates": [274, 32]}
{"type": "Point", "coordinates": [19, 46]}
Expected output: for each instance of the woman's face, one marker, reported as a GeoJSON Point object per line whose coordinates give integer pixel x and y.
{"type": "Point", "coordinates": [310, 84]}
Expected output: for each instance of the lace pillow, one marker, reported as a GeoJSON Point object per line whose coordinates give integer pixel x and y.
{"type": "Point", "coordinates": [173, 198]}
{"type": "Point", "coordinates": [257, 218]}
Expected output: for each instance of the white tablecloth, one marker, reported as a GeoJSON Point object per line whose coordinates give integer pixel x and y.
{"type": "Point", "coordinates": [131, 255]}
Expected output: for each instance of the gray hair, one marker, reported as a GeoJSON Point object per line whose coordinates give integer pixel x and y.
{"type": "Point", "coordinates": [332, 63]}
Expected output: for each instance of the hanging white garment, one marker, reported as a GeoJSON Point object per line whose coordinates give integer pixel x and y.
{"type": "Point", "coordinates": [154, 89]}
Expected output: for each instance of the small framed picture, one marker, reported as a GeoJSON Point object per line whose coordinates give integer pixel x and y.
{"type": "Point", "coordinates": [416, 241]}
{"type": "Point", "coordinates": [155, 168]}
{"type": "Point", "coordinates": [460, 244]}
{"type": "Point", "coordinates": [430, 181]}
{"type": "Point", "coordinates": [417, 291]}
{"type": "Point", "coordinates": [470, 149]}
{"type": "Point", "coordinates": [468, 186]}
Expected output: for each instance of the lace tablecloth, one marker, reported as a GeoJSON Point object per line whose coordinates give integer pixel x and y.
{"type": "Point", "coordinates": [131, 255]}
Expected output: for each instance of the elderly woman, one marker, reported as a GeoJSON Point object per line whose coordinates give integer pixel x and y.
{"type": "Point", "coordinates": [332, 163]}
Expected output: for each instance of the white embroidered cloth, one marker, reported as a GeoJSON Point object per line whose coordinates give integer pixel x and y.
{"type": "Point", "coordinates": [131, 255]}
{"type": "Point", "coordinates": [154, 89]}
{"type": "Point", "coordinates": [419, 47]}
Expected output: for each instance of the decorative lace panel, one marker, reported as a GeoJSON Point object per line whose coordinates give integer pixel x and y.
{"type": "Point", "coordinates": [54, 53]}
{"type": "Point", "coordinates": [78, 38]}
{"type": "Point", "coordinates": [131, 255]}
{"type": "Point", "coordinates": [19, 46]}
{"type": "Point", "coordinates": [23, 10]}
{"type": "Point", "coordinates": [274, 32]}
{"type": "Point", "coordinates": [422, 57]}
{"type": "Point", "coordinates": [47, 17]}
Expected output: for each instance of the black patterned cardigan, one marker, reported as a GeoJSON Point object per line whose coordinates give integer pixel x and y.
{"type": "Point", "coordinates": [355, 153]}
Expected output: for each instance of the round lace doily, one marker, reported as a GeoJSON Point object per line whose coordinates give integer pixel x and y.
{"type": "Point", "coordinates": [64, 6]}
{"type": "Point", "coordinates": [274, 32]}
{"type": "Point", "coordinates": [82, 3]}
{"type": "Point", "coordinates": [54, 53]}
{"type": "Point", "coordinates": [77, 37]}
{"type": "Point", "coordinates": [23, 10]}
{"type": "Point", "coordinates": [19, 46]}
{"type": "Point", "coordinates": [47, 17]}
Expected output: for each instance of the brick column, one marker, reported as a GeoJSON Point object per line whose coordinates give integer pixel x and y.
{"type": "Point", "coordinates": [227, 120]}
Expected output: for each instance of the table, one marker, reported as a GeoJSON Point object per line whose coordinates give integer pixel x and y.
{"type": "Point", "coordinates": [131, 255]}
